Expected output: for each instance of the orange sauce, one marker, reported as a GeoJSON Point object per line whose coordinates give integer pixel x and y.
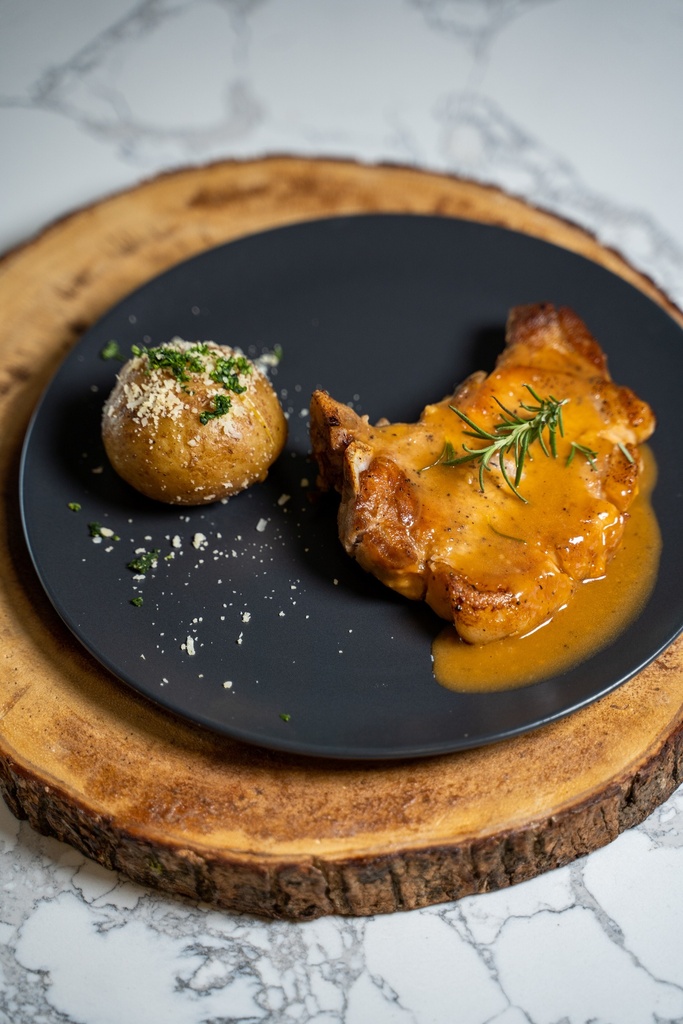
{"type": "Point", "coordinates": [598, 611]}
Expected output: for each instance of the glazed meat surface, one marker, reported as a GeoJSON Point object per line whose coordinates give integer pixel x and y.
{"type": "Point", "coordinates": [493, 564]}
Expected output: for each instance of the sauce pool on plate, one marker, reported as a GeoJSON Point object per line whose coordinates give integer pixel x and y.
{"type": "Point", "coordinates": [597, 613]}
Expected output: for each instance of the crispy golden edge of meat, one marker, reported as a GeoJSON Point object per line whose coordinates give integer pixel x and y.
{"type": "Point", "coordinates": [559, 339]}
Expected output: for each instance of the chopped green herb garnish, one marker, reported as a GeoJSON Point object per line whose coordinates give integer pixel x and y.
{"type": "Point", "coordinates": [226, 372]}
{"type": "Point", "coordinates": [221, 405]}
{"type": "Point", "coordinates": [97, 530]}
{"type": "Point", "coordinates": [284, 716]}
{"type": "Point", "coordinates": [137, 601]}
{"type": "Point", "coordinates": [507, 536]}
{"type": "Point", "coordinates": [143, 563]}
{"type": "Point", "coordinates": [74, 506]}
{"type": "Point", "coordinates": [179, 363]}
{"type": "Point", "coordinates": [183, 362]}
{"type": "Point", "coordinates": [112, 351]}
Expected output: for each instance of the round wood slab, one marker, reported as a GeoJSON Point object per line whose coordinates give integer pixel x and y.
{"type": "Point", "coordinates": [195, 814]}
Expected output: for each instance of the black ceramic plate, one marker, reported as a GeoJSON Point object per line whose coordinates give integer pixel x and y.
{"type": "Point", "coordinates": [387, 313]}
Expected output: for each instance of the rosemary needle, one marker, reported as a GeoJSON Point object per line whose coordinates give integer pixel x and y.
{"type": "Point", "coordinates": [513, 437]}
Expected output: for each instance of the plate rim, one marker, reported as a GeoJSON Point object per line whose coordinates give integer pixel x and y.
{"type": "Point", "coordinates": [285, 744]}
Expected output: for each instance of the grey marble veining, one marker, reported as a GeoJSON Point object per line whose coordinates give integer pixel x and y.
{"type": "Point", "coordinates": [161, 83]}
{"type": "Point", "coordinates": [571, 104]}
{"type": "Point", "coordinates": [82, 944]}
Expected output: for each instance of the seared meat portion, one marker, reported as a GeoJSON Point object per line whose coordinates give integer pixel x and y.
{"type": "Point", "coordinates": [491, 563]}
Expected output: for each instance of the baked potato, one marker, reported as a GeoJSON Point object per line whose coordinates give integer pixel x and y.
{"type": "Point", "coordinates": [189, 423]}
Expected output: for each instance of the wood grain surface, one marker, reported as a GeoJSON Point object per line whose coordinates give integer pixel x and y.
{"type": "Point", "coordinates": [197, 815]}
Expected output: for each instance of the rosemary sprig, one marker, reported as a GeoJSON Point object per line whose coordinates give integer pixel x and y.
{"type": "Point", "coordinates": [625, 452]}
{"type": "Point", "coordinates": [512, 437]}
{"type": "Point", "coordinates": [584, 450]}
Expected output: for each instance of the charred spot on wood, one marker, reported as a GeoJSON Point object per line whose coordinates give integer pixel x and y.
{"type": "Point", "coordinates": [77, 283]}
{"type": "Point", "coordinates": [213, 197]}
{"type": "Point", "coordinates": [14, 375]}
{"type": "Point", "coordinates": [126, 246]}
{"type": "Point", "coordinates": [78, 327]}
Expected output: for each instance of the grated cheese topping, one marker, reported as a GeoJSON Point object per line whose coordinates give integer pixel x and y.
{"type": "Point", "coordinates": [152, 396]}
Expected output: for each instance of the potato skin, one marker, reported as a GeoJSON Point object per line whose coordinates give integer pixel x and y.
{"type": "Point", "coordinates": [154, 437]}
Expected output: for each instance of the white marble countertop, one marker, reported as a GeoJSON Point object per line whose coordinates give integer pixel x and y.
{"type": "Point", "coordinates": [570, 103]}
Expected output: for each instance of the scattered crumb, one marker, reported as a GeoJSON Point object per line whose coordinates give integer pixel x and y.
{"type": "Point", "coordinates": [261, 525]}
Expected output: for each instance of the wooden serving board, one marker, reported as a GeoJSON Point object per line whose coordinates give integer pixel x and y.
{"type": "Point", "coordinates": [173, 806]}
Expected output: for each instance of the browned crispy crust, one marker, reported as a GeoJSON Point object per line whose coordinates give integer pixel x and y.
{"type": "Point", "coordinates": [543, 327]}
{"type": "Point", "coordinates": [560, 339]}
{"type": "Point", "coordinates": [333, 427]}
